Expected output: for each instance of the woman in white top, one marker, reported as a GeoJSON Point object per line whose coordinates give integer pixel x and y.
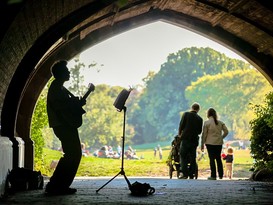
{"type": "Point", "coordinates": [214, 131]}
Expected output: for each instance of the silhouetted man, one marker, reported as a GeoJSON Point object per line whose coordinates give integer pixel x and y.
{"type": "Point", "coordinates": [64, 116]}
{"type": "Point", "coordinates": [189, 129]}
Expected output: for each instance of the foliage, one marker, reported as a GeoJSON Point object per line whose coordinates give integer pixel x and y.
{"type": "Point", "coordinates": [153, 114]}
{"type": "Point", "coordinates": [102, 124]}
{"type": "Point", "coordinates": [48, 156]}
{"type": "Point", "coordinates": [158, 112]}
{"type": "Point", "coordinates": [76, 78]}
{"type": "Point", "coordinates": [232, 104]}
{"type": "Point", "coordinates": [262, 134]}
{"type": "Point", "coordinates": [39, 121]}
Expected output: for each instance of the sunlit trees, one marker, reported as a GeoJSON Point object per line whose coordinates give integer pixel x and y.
{"type": "Point", "coordinates": [230, 94]}
{"type": "Point", "coordinates": [102, 124]}
{"type": "Point", "coordinates": [163, 99]}
{"type": "Point", "coordinates": [154, 111]}
{"type": "Point", "coordinates": [262, 134]}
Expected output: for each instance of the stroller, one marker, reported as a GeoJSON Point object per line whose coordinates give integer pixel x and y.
{"type": "Point", "coordinates": [174, 159]}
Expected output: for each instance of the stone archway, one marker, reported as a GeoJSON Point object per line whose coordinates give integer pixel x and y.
{"type": "Point", "coordinates": [38, 42]}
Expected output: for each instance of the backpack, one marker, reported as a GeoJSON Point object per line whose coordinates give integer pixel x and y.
{"type": "Point", "coordinates": [22, 179]}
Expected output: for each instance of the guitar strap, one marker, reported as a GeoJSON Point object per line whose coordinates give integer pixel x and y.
{"type": "Point", "coordinates": [75, 117]}
{"type": "Point", "coordinates": [69, 93]}
{"type": "Point", "coordinates": [84, 97]}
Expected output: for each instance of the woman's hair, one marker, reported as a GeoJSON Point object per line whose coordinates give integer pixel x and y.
{"type": "Point", "coordinates": [212, 113]}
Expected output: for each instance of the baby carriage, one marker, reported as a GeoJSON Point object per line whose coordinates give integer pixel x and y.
{"type": "Point", "coordinates": [174, 159]}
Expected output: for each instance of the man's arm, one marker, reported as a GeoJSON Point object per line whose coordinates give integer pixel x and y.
{"type": "Point", "coordinates": [225, 130]}
{"type": "Point", "coordinates": [203, 138]}
{"type": "Point", "coordinates": [200, 126]}
{"type": "Point", "coordinates": [182, 124]}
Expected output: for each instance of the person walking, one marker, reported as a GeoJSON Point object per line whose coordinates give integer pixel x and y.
{"type": "Point", "coordinates": [61, 106]}
{"type": "Point", "coordinates": [214, 132]}
{"type": "Point", "coordinates": [160, 152]}
{"type": "Point", "coordinates": [190, 127]}
{"type": "Point", "coordinates": [155, 151]}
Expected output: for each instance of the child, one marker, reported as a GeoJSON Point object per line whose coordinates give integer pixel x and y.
{"type": "Point", "coordinates": [229, 163]}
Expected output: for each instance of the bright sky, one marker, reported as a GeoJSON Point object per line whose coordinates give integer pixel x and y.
{"type": "Point", "coordinates": [128, 57]}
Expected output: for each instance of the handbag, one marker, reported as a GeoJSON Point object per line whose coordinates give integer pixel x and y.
{"type": "Point", "coordinates": [141, 189]}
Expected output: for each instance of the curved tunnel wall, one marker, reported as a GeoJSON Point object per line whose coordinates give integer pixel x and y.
{"type": "Point", "coordinates": [31, 74]}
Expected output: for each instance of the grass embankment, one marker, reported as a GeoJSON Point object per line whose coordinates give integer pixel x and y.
{"type": "Point", "coordinates": [148, 166]}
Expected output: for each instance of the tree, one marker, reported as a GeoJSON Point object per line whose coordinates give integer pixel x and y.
{"type": "Point", "coordinates": [39, 124]}
{"type": "Point", "coordinates": [102, 124]}
{"type": "Point", "coordinates": [262, 134]}
{"type": "Point", "coordinates": [230, 94]}
{"type": "Point", "coordinates": [163, 99]}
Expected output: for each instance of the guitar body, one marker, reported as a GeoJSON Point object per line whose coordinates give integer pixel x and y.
{"type": "Point", "coordinates": [75, 120]}
{"type": "Point", "coordinates": [74, 117]}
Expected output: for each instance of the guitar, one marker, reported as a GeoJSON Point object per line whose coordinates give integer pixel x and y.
{"type": "Point", "coordinates": [74, 117]}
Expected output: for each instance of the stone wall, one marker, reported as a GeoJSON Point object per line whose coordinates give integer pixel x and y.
{"type": "Point", "coordinates": [6, 161]}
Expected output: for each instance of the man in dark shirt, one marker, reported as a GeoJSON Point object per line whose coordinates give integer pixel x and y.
{"type": "Point", "coordinates": [189, 129]}
{"type": "Point", "coordinates": [61, 106]}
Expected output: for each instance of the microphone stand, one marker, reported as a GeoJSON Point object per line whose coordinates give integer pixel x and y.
{"type": "Point", "coordinates": [122, 172]}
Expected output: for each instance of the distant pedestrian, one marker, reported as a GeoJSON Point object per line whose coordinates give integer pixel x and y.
{"type": "Point", "coordinates": [119, 150]}
{"type": "Point", "coordinates": [160, 152]}
{"type": "Point", "coordinates": [155, 150]}
{"type": "Point", "coordinates": [241, 145]}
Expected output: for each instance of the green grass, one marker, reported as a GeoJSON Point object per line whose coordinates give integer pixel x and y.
{"type": "Point", "coordinates": [148, 166]}
{"type": "Point", "coordinates": [151, 146]}
{"type": "Point", "coordinates": [242, 164]}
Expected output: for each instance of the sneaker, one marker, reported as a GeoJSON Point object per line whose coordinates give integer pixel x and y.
{"type": "Point", "coordinates": [211, 178]}
{"type": "Point", "coordinates": [181, 176]}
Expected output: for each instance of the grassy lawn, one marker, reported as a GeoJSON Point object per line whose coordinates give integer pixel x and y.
{"type": "Point", "coordinates": [242, 164]}
{"type": "Point", "coordinates": [148, 166]}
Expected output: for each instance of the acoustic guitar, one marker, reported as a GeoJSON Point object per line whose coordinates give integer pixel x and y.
{"type": "Point", "coordinates": [74, 117]}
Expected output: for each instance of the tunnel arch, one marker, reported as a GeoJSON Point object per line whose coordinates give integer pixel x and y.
{"type": "Point", "coordinates": [72, 35]}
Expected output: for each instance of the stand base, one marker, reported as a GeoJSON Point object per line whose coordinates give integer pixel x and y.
{"type": "Point", "coordinates": [120, 173]}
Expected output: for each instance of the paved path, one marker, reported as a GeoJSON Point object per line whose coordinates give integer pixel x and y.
{"type": "Point", "coordinates": [167, 192]}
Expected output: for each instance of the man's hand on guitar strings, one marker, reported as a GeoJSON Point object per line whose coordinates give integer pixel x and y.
{"type": "Point", "coordinates": [82, 101]}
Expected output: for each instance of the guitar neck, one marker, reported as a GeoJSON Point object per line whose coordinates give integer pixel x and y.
{"type": "Point", "coordinates": [91, 88]}
{"type": "Point", "coordinates": [86, 94]}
